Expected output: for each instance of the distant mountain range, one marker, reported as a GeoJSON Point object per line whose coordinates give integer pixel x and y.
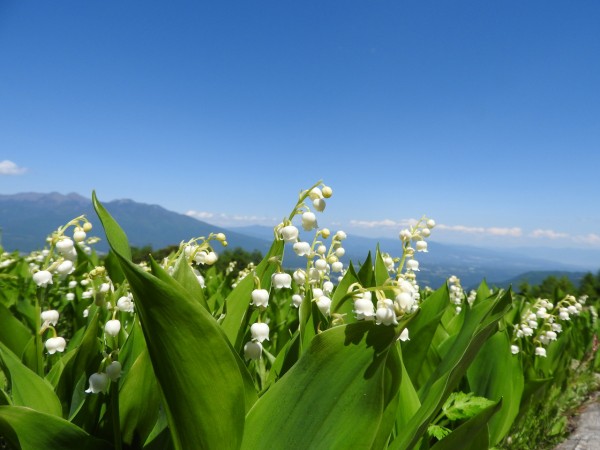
{"type": "Point", "coordinates": [26, 219]}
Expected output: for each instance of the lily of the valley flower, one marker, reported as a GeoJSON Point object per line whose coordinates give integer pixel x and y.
{"type": "Point", "coordinates": [98, 383]}
{"type": "Point", "coordinates": [113, 370]}
{"type": "Point", "coordinates": [55, 344]}
{"type": "Point", "coordinates": [289, 233]}
{"type": "Point", "coordinates": [297, 300]}
{"type": "Point", "coordinates": [282, 280]}
{"type": "Point", "coordinates": [42, 278]}
{"type": "Point", "coordinates": [50, 317]}
{"type": "Point", "coordinates": [259, 331]}
{"type": "Point", "coordinates": [64, 246]}
{"type": "Point", "coordinates": [260, 297]}
{"type": "Point", "coordinates": [324, 304]}
{"type": "Point", "coordinates": [112, 327]}
{"type": "Point", "coordinates": [302, 248]}
{"type": "Point", "coordinates": [404, 335]}
{"type": "Point", "coordinates": [252, 350]}
{"type": "Point", "coordinates": [309, 221]}
{"type": "Point", "coordinates": [364, 308]}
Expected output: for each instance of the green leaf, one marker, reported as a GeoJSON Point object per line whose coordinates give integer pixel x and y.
{"type": "Point", "coordinates": [487, 377]}
{"type": "Point", "coordinates": [185, 276]}
{"type": "Point", "coordinates": [118, 239]}
{"type": "Point", "coordinates": [460, 406]}
{"type": "Point", "coordinates": [381, 272]}
{"type": "Point", "coordinates": [366, 274]}
{"type": "Point", "coordinates": [438, 431]}
{"type": "Point", "coordinates": [480, 322]}
{"type": "Point", "coordinates": [13, 333]}
{"type": "Point", "coordinates": [332, 398]}
{"type": "Point", "coordinates": [26, 429]}
{"type": "Point", "coordinates": [139, 401]}
{"type": "Point", "coordinates": [471, 435]}
{"type": "Point", "coordinates": [27, 388]}
{"type": "Point", "coordinates": [192, 359]}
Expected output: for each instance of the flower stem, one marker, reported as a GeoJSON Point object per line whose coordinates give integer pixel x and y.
{"type": "Point", "coordinates": [39, 345]}
{"type": "Point", "coordinates": [116, 421]}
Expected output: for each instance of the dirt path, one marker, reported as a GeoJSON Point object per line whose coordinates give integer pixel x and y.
{"type": "Point", "coordinates": [587, 428]}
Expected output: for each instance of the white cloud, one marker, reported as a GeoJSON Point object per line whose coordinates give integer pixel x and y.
{"type": "Point", "coordinates": [237, 220]}
{"type": "Point", "coordinates": [491, 231]}
{"type": "Point", "coordinates": [549, 234]}
{"type": "Point", "coordinates": [385, 223]}
{"type": "Point", "coordinates": [10, 168]}
{"type": "Point", "coordinates": [590, 238]}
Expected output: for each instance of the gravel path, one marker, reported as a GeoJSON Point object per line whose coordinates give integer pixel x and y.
{"type": "Point", "coordinates": [587, 429]}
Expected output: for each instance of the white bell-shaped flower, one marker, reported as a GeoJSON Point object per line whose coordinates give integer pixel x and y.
{"type": "Point", "coordinates": [321, 264]}
{"type": "Point", "coordinates": [65, 268]}
{"type": "Point", "coordinates": [337, 266]}
{"type": "Point", "coordinates": [302, 248]}
{"type": "Point", "coordinates": [289, 233]}
{"type": "Point", "coordinates": [113, 370]}
{"type": "Point", "coordinates": [64, 246]}
{"type": "Point", "coordinates": [324, 304]}
{"type": "Point", "coordinates": [404, 335]}
{"type": "Point", "coordinates": [340, 251]}
{"type": "Point", "coordinates": [364, 309]}
{"type": "Point", "coordinates": [319, 204]}
{"type": "Point", "coordinates": [210, 258]}
{"type": "Point", "coordinates": [430, 223]}
{"type": "Point", "coordinates": [299, 276]}
{"type": "Point", "coordinates": [42, 278]}
{"type": "Point", "coordinates": [540, 351]}
{"type": "Point", "coordinates": [296, 300]}
{"type": "Point", "coordinates": [98, 383]}
{"type": "Point", "coordinates": [252, 350]}
{"type": "Point", "coordinates": [405, 301]}
{"type": "Point", "coordinates": [327, 287]}
{"type": "Point", "coordinates": [260, 297]}
{"type": "Point", "coordinates": [309, 221]}
{"type": "Point", "coordinates": [55, 344]}
{"type": "Point", "coordinates": [514, 349]}
{"type": "Point", "coordinates": [112, 327]}
{"type": "Point", "coordinates": [259, 331]}
{"type": "Point", "coordinates": [282, 280]}
{"type": "Point", "coordinates": [50, 317]}
{"type": "Point", "coordinates": [70, 296]}
{"type": "Point", "coordinates": [125, 303]}
{"type": "Point", "coordinates": [315, 193]}
{"type": "Point", "coordinates": [421, 246]}
{"type": "Point", "coordinates": [412, 264]}
{"type": "Point", "coordinates": [385, 316]}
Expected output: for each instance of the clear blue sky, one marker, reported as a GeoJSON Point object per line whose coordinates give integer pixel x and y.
{"type": "Point", "coordinates": [482, 115]}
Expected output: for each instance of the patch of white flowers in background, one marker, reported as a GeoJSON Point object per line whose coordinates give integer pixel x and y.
{"type": "Point", "coordinates": [399, 296]}
{"type": "Point", "coordinates": [457, 294]}
{"type": "Point", "coordinates": [540, 323]}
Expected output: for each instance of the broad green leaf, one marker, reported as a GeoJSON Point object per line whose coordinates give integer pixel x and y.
{"type": "Point", "coordinates": [366, 275]}
{"type": "Point", "coordinates": [27, 388]}
{"type": "Point", "coordinates": [139, 400]}
{"type": "Point", "coordinates": [381, 272]}
{"type": "Point", "coordinates": [85, 361]}
{"type": "Point", "coordinates": [488, 375]}
{"type": "Point", "coordinates": [193, 362]}
{"type": "Point", "coordinates": [185, 276]}
{"type": "Point", "coordinates": [341, 378]}
{"type": "Point", "coordinates": [408, 395]}
{"type": "Point", "coordinates": [471, 435]}
{"type": "Point", "coordinates": [13, 333]}
{"type": "Point", "coordinates": [26, 429]}
{"type": "Point", "coordinates": [417, 351]}
{"type": "Point", "coordinates": [480, 322]}
{"type": "Point", "coordinates": [341, 302]}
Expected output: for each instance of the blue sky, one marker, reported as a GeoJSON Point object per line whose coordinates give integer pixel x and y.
{"type": "Point", "coordinates": [482, 115]}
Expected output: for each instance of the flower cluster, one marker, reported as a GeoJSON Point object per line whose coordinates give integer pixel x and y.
{"type": "Point", "coordinates": [541, 322]}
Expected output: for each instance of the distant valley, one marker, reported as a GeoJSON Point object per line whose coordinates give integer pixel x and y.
{"type": "Point", "coordinates": [26, 219]}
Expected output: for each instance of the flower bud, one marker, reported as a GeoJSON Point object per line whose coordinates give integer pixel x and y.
{"type": "Point", "coordinates": [321, 264]}
{"type": "Point", "coordinates": [315, 193]}
{"type": "Point", "coordinates": [113, 370]}
{"type": "Point", "coordinates": [430, 223]}
{"type": "Point", "coordinates": [337, 266]}
{"type": "Point", "coordinates": [87, 227]}
{"type": "Point", "coordinates": [327, 191]}
{"type": "Point", "coordinates": [325, 233]}
{"type": "Point", "coordinates": [299, 276]}
{"type": "Point", "coordinates": [112, 327]}
{"type": "Point", "coordinates": [79, 235]}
